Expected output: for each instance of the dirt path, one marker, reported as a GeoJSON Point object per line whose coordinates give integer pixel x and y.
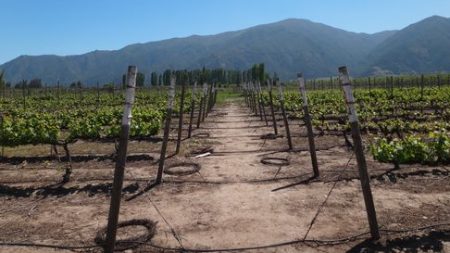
{"type": "Point", "coordinates": [236, 206]}
{"type": "Point", "coordinates": [231, 204]}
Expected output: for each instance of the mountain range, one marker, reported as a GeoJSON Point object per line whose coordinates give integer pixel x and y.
{"type": "Point", "coordinates": [286, 47]}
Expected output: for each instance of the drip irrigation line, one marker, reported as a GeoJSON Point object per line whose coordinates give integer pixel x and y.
{"type": "Point", "coordinates": [263, 144]}
{"type": "Point", "coordinates": [174, 233]}
{"type": "Point", "coordinates": [278, 171]}
{"type": "Point", "coordinates": [169, 169]}
{"type": "Point", "coordinates": [200, 174]}
{"type": "Point", "coordinates": [276, 161]}
{"type": "Point", "coordinates": [397, 231]}
{"type": "Point", "coordinates": [319, 210]}
{"type": "Point", "coordinates": [44, 245]}
{"type": "Point", "coordinates": [329, 242]}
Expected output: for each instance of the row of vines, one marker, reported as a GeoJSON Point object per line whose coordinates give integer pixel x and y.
{"type": "Point", "coordinates": [402, 125]}
{"type": "Point", "coordinates": [65, 119]}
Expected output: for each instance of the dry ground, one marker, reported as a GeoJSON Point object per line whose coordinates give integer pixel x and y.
{"type": "Point", "coordinates": [233, 202]}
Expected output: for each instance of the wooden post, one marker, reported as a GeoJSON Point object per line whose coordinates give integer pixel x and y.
{"type": "Point", "coordinates": [359, 152]}
{"type": "Point", "coordinates": [246, 95]}
{"type": "Point", "coordinates": [262, 103]}
{"type": "Point", "coordinates": [211, 97]}
{"type": "Point", "coordinates": [208, 100]}
{"type": "Point", "coordinates": [215, 96]}
{"type": "Point", "coordinates": [307, 118]}
{"type": "Point", "coordinates": [205, 101]}
{"type": "Point", "coordinates": [180, 118]}
{"type": "Point", "coordinates": [255, 101]}
{"type": "Point", "coordinates": [274, 120]}
{"type": "Point", "coordinates": [283, 111]}
{"type": "Point", "coordinates": [253, 97]}
{"type": "Point", "coordinates": [169, 110]}
{"type": "Point", "coordinates": [116, 193]}
{"type": "Point", "coordinates": [258, 98]}
{"type": "Point", "coordinates": [191, 118]}
{"type": "Point", "coordinates": [213, 91]}
{"type": "Point", "coordinates": [200, 108]}
{"type": "Point", "coordinates": [250, 97]}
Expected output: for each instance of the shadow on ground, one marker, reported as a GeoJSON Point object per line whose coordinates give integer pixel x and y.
{"type": "Point", "coordinates": [431, 242]}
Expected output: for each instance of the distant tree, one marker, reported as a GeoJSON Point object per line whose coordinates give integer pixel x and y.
{"type": "Point", "coordinates": [181, 76]}
{"type": "Point", "coordinates": [35, 83]}
{"type": "Point", "coordinates": [166, 77]}
{"type": "Point", "coordinates": [261, 73]}
{"type": "Point", "coordinates": [154, 79]}
{"type": "Point", "coordinates": [76, 85]}
{"type": "Point", "coordinates": [21, 85]}
{"type": "Point", "coordinates": [124, 81]}
{"type": "Point", "coordinates": [140, 79]}
{"type": "Point", "coordinates": [205, 76]}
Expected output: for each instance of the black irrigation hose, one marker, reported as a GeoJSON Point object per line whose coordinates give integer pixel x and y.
{"type": "Point", "coordinates": [202, 150]}
{"type": "Point", "coordinates": [319, 242]}
{"type": "Point", "coordinates": [43, 245]}
{"type": "Point", "coordinates": [300, 241]}
{"type": "Point", "coordinates": [275, 161]}
{"type": "Point", "coordinates": [150, 226]}
{"type": "Point", "coordinates": [169, 169]}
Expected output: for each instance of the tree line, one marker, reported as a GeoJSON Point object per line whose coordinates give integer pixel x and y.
{"type": "Point", "coordinates": [219, 76]}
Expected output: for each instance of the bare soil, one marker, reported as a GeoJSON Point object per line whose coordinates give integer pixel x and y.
{"type": "Point", "coordinates": [233, 202]}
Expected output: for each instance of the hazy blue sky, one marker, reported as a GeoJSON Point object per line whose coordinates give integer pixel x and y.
{"type": "Point", "coordinates": [66, 27]}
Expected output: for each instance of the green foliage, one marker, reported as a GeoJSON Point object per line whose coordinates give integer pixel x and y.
{"type": "Point", "coordinates": [69, 118]}
{"type": "Point", "coordinates": [413, 149]}
{"type": "Point", "coordinates": [440, 147]}
{"type": "Point", "coordinates": [380, 111]}
{"type": "Point", "coordinates": [258, 73]}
